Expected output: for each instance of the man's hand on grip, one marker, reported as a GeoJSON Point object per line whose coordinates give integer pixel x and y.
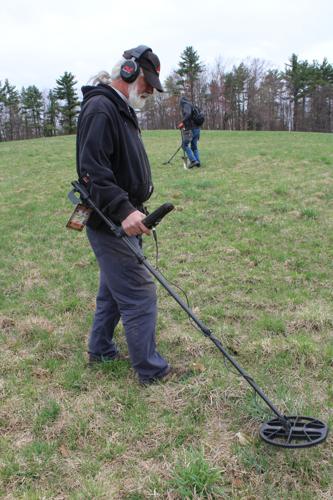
{"type": "Point", "coordinates": [133, 225]}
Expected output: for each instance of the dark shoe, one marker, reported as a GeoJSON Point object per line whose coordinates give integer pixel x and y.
{"type": "Point", "coordinates": [161, 378]}
{"type": "Point", "coordinates": [193, 163]}
{"type": "Point", "coordinates": [198, 164]}
{"type": "Point", "coordinates": [99, 358]}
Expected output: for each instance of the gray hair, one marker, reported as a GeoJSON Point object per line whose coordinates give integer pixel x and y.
{"type": "Point", "coordinates": [107, 78]}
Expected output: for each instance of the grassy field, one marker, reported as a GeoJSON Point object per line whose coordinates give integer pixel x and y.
{"type": "Point", "coordinates": [251, 243]}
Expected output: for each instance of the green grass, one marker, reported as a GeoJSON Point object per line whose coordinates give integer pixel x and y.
{"type": "Point", "coordinates": [251, 243]}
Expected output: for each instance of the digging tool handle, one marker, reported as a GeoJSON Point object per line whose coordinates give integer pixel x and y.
{"type": "Point", "coordinates": [155, 217]}
{"type": "Point", "coordinates": [80, 188]}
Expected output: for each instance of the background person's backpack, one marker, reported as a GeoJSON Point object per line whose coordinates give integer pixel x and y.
{"type": "Point", "coordinates": [197, 116]}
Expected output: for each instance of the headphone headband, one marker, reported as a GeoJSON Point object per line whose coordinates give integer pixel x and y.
{"type": "Point", "coordinates": [137, 52]}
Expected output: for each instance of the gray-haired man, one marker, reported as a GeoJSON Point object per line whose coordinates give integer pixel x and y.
{"type": "Point", "coordinates": [112, 160]}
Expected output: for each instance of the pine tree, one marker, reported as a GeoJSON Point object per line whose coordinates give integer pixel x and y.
{"type": "Point", "coordinates": [51, 115]}
{"type": "Point", "coordinates": [271, 101]}
{"type": "Point", "coordinates": [11, 120]}
{"type": "Point", "coordinates": [66, 92]}
{"type": "Point", "coordinates": [2, 109]}
{"type": "Point", "coordinates": [320, 112]}
{"type": "Point", "coordinates": [298, 79]}
{"type": "Point", "coordinates": [240, 77]}
{"type": "Point", "coordinates": [171, 84]}
{"type": "Point", "coordinates": [32, 108]}
{"type": "Point", "coordinates": [189, 70]}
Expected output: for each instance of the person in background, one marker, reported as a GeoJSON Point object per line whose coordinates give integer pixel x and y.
{"type": "Point", "coordinates": [113, 164]}
{"type": "Point", "coordinates": [190, 132]}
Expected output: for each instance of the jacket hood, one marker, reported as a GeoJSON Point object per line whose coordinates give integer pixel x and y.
{"type": "Point", "coordinates": [89, 91]}
{"type": "Point", "coordinates": [86, 89]}
{"type": "Point", "coordinates": [100, 89]}
{"type": "Point", "coordinates": [184, 100]}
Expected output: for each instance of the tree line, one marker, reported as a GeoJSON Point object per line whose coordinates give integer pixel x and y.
{"type": "Point", "coordinates": [250, 96]}
{"type": "Point", "coordinates": [31, 113]}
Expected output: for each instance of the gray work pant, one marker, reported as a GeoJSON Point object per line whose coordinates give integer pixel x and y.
{"type": "Point", "coordinates": [126, 291]}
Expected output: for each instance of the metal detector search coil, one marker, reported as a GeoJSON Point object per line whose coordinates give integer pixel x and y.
{"type": "Point", "coordinates": [283, 431]}
{"type": "Point", "coordinates": [302, 433]}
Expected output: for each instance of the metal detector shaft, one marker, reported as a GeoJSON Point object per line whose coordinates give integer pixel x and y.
{"type": "Point", "coordinates": [171, 158]}
{"type": "Point", "coordinates": [207, 333]}
{"type": "Point", "coordinates": [205, 330]}
{"type": "Point", "coordinates": [181, 145]}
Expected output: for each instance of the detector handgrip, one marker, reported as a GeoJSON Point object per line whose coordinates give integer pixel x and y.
{"type": "Point", "coordinates": [155, 217]}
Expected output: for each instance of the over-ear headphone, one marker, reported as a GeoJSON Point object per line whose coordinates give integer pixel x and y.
{"type": "Point", "coordinates": [130, 69]}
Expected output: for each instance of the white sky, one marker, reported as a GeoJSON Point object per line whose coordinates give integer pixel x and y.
{"type": "Point", "coordinates": [40, 39]}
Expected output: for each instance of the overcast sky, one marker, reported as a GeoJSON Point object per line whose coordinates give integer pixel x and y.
{"type": "Point", "coordinates": [39, 40]}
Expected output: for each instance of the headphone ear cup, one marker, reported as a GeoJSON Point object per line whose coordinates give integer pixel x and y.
{"type": "Point", "coordinates": [129, 70]}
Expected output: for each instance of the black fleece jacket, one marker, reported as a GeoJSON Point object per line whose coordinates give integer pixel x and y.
{"type": "Point", "coordinates": [110, 152]}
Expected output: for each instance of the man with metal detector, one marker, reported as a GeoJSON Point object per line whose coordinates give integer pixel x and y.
{"type": "Point", "coordinates": [114, 179]}
{"type": "Point", "coordinates": [112, 164]}
{"type": "Point", "coordinates": [193, 119]}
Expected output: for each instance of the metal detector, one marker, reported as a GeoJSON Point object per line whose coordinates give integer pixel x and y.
{"type": "Point", "coordinates": [171, 157]}
{"type": "Point", "coordinates": [183, 157]}
{"type": "Point", "coordinates": [284, 431]}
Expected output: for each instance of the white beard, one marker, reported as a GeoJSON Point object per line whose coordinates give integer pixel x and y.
{"type": "Point", "coordinates": [137, 101]}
